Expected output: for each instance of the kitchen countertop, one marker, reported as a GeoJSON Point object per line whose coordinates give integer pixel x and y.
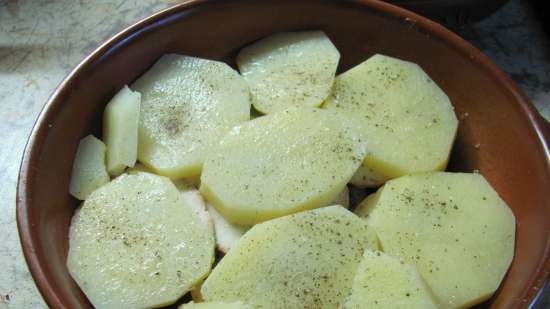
{"type": "Point", "coordinates": [41, 41]}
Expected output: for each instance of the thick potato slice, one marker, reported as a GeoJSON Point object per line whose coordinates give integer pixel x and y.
{"type": "Point", "coordinates": [304, 260]}
{"type": "Point", "coordinates": [289, 69]}
{"type": "Point", "coordinates": [282, 163]}
{"type": "Point", "coordinates": [365, 177]}
{"type": "Point", "coordinates": [135, 243]}
{"type": "Point", "coordinates": [89, 171]}
{"type": "Point", "coordinates": [120, 130]}
{"type": "Point", "coordinates": [187, 105]}
{"type": "Point", "coordinates": [409, 121]}
{"type": "Point", "coordinates": [453, 227]}
{"type": "Point", "coordinates": [385, 282]}
{"type": "Point", "coordinates": [215, 305]}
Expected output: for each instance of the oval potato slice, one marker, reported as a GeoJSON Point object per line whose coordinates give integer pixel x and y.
{"type": "Point", "coordinates": [282, 163]}
{"type": "Point", "coordinates": [453, 227]}
{"type": "Point", "coordinates": [409, 121]}
{"type": "Point", "coordinates": [289, 69]}
{"type": "Point", "coordinates": [304, 260]}
{"type": "Point", "coordinates": [135, 243]}
{"type": "Point", "coordinates": [187, 105]}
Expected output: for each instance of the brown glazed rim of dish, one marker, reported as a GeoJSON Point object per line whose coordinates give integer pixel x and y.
{"type": "Point", "coordinates": [34, 145]}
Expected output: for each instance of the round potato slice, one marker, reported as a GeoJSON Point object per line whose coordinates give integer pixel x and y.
{"type": "Point", "coordinates": [304, 260]}
{"type": "Point", "coordinates": [187, 105]}
{"type": "Point", "coordinates": [453, 227]}
{"type": "Point", "coordinates": [282, 163]}
{"type": "Point", "coordinates": [289, 69]}
{"type": "Point", "coordinates": [135, 243]}
{"type": "Point", "coordinates": [408, 120]}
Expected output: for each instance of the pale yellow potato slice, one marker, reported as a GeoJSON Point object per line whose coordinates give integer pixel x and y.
{"type": "Point", "coordinates": [89, 171]}
{"type": "Point", "coordinates": [365, 177]}
{"type": "Point", "coordinates": [304, 260]}
{"type": "Point", "coordinates": [453, 227]}
{"type": "Point", "coordinates": [215, 305]}
{"type": "Point", "coordinates": [120, 130]}
{"type": "Point", "coordinates": [289, 69]}
{"type": "Point", "coordinates": [136, 243]}
{"type": "Point", "coordinates": [385, 282]}
{"type": "Point", "coordinates": [409, 121]}
{"type": "Point", "coordinates": [187, 105]}
{"type": "Point", "coordinates": [282, 163]}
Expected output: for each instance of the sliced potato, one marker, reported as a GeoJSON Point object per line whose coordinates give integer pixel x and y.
{"type": "Point", "coordinates": [385, 282]}
{"type": "Point", "coordinates": [409, 121]}
{"type": "Point", "coordinates": [365, 177]}
{"type": "Point", "coordinates": [227, 233]}
{"type": "Point", "coordinates": [136, 243]}
{"type": "Point", "coordinates": [304, 260]}
{"type": "Point", "coordinates": [289, 69]}
{"type": "Point", "coordinates": [89, 171]}
{"type": "Point", "coordinates": [194, 199]}
{"type": "Point", "coordinates": [120, 130]}
{"type": "Point", "coordinates": [453, 227]}
{"type": "Point", "coordinates": [282, 163]}
{"type": "Point", "coordinates": [187, 105]}
{"type": "Point", "coordinates": [215, 305]}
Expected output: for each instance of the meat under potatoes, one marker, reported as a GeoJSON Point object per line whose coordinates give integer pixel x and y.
{"type": "Point", "coordinates": [282, 163]}
{"type": "Point", "coordinates": [408, 120]}
{"type": "Point", "coordinates": [135, 243]}
{"type": "Point", "coordinates": [289, 69]}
